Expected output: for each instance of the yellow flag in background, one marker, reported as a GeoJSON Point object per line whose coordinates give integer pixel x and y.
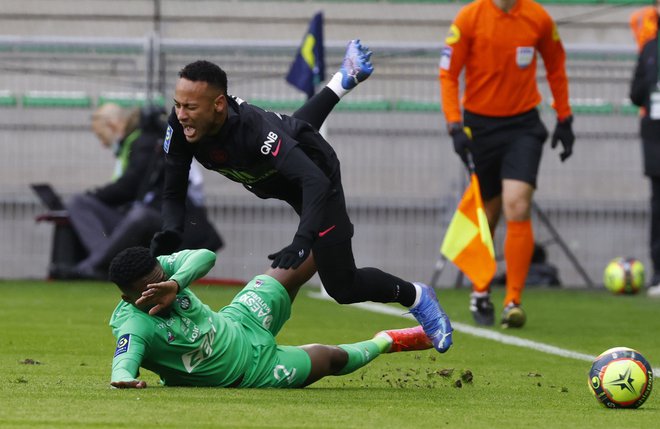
{"type": "Point", "coordinates": [468, 242]}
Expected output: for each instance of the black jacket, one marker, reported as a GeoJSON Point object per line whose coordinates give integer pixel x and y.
{"type": "Point", "coordinates": [145, 146]}
{"type": "Point", "coordinates": [645, 81]}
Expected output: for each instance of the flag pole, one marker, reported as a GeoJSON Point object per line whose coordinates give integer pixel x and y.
{"type": "Point", "coordinates": [458, 282]}
{"type": "Point", "coordinates": [437, 270]}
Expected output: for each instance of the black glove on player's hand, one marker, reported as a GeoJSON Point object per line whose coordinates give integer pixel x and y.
{"type": "Point", "coordinates": [292, 255]}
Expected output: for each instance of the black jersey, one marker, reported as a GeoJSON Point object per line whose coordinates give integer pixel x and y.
{"type": "Point", "coordinates": [272, 155]}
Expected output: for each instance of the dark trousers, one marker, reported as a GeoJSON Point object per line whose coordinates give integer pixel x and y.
{"type": "Point", "coordinates": [336, 267]}
{"type": "Point", "coordinates": [135, 229]}
{"type": "Point", "coordinates": [93, 220]}
{"type": "Point", "coordinates": [106, 230]}
{"type": "Point", "coordinates": [655, 228]}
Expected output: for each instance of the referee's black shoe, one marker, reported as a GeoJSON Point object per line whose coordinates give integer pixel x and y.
{"type": "Point", "coordinates": [482, 309]}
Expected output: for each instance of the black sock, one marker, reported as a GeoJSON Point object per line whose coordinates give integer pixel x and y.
{"type": "Point", "coordinates": [317, 108]}
{"type": "Point", "coordinates": [384, 287]}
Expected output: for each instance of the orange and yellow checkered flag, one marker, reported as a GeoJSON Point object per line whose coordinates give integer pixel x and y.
{"type": "Point", "coordinates": [468, 242]}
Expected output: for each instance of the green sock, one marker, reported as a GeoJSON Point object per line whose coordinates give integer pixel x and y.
{"type": "Point", "coordinates": [360, 354]}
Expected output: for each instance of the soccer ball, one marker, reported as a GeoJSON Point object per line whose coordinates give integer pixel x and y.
{"type": "Point", "coordinates": [621, 378]}
{"type": "Point", "coordinates": [624, 276]}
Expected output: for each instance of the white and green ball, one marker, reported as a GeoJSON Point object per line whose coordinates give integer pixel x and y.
{"type": "Point", "coordinates": [624, 276]}
{"type": "Point", "coordinates": [621, 378]}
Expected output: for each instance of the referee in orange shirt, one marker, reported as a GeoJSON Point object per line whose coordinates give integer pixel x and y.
{"type": "Point", "coordinates": [497, 41]}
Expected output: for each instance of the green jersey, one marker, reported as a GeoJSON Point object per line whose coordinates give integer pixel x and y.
{"type": "Point", "coordinates": [192, 345]}
{"type": "Point", "coordinates": [195, 346]}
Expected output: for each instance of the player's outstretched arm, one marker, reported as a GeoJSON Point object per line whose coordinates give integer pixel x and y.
{"type": "Point", "coordinates": [126, 362]}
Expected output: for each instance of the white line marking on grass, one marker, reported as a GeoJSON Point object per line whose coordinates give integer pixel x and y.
{"type": "Point", "coordinates": [477, 332]}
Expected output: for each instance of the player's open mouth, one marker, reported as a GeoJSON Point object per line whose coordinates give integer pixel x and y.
{"type": "Point", "coordinates": [189, 132]}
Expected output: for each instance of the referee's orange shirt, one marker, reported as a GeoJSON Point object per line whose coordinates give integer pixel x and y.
{"type": "Point", "coordinates": [499, 53]}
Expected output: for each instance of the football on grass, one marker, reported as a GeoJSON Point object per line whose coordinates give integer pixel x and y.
{"type": "Point", "coordinates": [621, 378]}
{"type": "Point", "coordinates": [624, 276]}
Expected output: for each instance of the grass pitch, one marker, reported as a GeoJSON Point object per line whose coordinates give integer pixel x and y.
{"type": "Point", "coordinates": [56, 350]}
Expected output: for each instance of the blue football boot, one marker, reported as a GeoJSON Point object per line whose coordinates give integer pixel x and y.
{"type": "Point", "coordinates": [356, 66]}
{"type": "Point", "coordinates": [433, 319]}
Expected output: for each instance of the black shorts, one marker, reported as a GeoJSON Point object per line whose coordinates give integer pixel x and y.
{"type": "Point", "coordinates": [336, 226]}
{"type": "Point", "coordinates": [506, 148]}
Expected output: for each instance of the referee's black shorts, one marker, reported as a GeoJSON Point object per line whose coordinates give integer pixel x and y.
{"type": "Point", "coordinates": [506, 148]}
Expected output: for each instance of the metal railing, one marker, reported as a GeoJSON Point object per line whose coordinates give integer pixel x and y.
{"type": "Point", "coordinates": [401, 177]}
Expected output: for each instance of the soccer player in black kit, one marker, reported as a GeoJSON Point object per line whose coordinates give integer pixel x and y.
{"type": "Point", "coordinates": [284, 157]}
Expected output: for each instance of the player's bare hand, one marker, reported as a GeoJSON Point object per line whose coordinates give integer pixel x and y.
{"type": "Point", "coordinates": [134, 384]}
{"type": "Point", "coordinates": [158, 296]}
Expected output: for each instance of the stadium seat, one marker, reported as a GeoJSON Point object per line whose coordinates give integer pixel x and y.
{"type": "Point", "coordinates": [129, 99]}
{"type": "Point", "coordinates": [7, 99]}
{"type": "Point", "coordinates": [277, 105]}
{"type": "Point", "coordinates": [593, 106]}
{"type": "Point", "coordinates": [416, 106]}
{"type": "Point", "coordinates": [364, 106]}
{"type": "Point", "coordinates": [60, 99]}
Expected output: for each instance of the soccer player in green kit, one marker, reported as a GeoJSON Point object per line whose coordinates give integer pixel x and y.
{"type": "Point", "coordinates": [162, 326]}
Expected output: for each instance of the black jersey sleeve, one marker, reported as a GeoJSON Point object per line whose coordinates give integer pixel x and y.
{"type": "Point", "coordinates": [285, 153]}
{"type": "Point", "coordinates": [299, 168]}
{"type": "Point", "coordinates": [177, 166]}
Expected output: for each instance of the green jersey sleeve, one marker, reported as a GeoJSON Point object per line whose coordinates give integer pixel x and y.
{"type": "Point", "coordinates": [128, 358]}
{"type": "Point", "coordinates": [186, 266]}
{"type": "Point", "coordinates": [133, 331]}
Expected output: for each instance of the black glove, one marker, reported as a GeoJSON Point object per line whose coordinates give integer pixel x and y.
{"type": "Point", "coordinates": [165, 242]}
{"type": "Point", "coordinates": [292, 255]}
{"type": "Point", "coordinates": [461, 140]}
{"type": "Point", "coordinates": [564, 134]}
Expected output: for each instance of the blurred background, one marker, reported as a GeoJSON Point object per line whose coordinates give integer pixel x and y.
{"type": "Point", "coordinates": [60, 59]}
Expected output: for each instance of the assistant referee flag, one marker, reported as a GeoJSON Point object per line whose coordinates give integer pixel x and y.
{"type": "Point", "coordinates": [468, 242]}
{"type": "Point", "coordinates": [308, 68]}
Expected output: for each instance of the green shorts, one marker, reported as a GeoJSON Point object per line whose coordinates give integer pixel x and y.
{"type": "Point", "coordinates": [262, 307]}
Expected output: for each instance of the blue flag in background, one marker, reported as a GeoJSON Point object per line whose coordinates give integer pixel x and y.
{"type": "Point", "coordinates": [308, 69]}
